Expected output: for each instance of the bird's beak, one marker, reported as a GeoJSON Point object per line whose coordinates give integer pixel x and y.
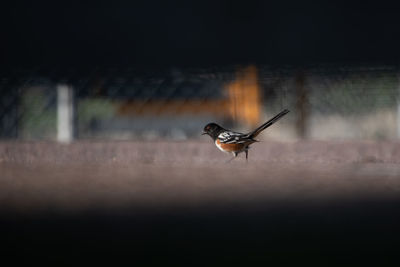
{"type": "Point", "coordinates": [204, 133]}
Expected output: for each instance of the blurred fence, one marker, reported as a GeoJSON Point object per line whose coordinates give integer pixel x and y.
{"type": "Point", "coordinates": [326, 102]}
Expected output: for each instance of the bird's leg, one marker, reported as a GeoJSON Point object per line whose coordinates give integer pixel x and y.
{"type": "Point", "coordinates": [247, 155]}
{"type": "Point", "coordinates": [235, 155]}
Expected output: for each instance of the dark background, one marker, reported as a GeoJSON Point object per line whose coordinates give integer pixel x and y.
{"type": "Point", "coordinates": [156, 34]}
{"type": "Point", "coordinates": [197, 33]}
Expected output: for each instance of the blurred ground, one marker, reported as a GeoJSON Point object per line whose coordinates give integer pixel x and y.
{"type": "Point", "coordinates": [116, 174]}
{"type": "Point", "coordinates": [156, 200]}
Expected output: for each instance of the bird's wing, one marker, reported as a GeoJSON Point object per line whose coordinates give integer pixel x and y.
{"type": "Point", "coordinates": [229, 137]}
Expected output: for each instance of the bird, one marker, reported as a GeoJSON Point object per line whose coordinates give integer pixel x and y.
{"type": "Point", "coordinates": [234, 142]}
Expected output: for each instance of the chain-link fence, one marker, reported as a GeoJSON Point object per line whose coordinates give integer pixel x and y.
{"type": "Point", "coordinates": [326, 102]}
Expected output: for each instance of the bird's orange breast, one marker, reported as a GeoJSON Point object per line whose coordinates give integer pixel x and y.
{"type": "Point", "coordinates": [230, 147]}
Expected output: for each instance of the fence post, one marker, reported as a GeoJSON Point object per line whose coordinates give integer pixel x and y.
{"type": "Point", "coordinates": [302, 105]}
{"type": "Point", "coordinates": [9, 109]}
{"type": "Point", "coordinates": [65, 113]}
{"type": "Point", "coordinates": [398, 105]}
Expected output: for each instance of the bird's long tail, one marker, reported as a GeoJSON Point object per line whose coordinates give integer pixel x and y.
{"type": "Point", "coordinates": [257, 131]}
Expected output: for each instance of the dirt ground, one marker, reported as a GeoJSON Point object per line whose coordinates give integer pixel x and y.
{"type": "Point", "coordinates": [87, 175]}
{"type": "Point", "coordinates": [157, 202]}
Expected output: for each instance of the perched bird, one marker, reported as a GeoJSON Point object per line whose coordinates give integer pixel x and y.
{"type": "Point", "coordinates": [233, 142]}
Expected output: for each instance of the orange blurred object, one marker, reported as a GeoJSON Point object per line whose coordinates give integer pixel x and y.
{"type": "Point", "coordinates": [244, 97]}
{"type": "Point", "coordinates": [242, 104]}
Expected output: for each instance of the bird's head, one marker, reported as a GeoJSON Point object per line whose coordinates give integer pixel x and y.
{"type": "Point", "coordinates": [211, 129]}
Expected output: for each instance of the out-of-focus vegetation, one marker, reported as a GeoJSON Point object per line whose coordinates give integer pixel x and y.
{"type": "Point", "coordinates": [92, 110]}
{"type": "Point", "coordinates": [38, 113]}
{"type": "Point", "coordinates": [354, 95]}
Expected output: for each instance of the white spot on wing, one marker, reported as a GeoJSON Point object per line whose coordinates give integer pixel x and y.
{"type": "Point", "coordinates": [229, 137]}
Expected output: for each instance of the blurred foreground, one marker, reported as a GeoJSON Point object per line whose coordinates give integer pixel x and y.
{"type": "Point", "coordinates": [180, 203]}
